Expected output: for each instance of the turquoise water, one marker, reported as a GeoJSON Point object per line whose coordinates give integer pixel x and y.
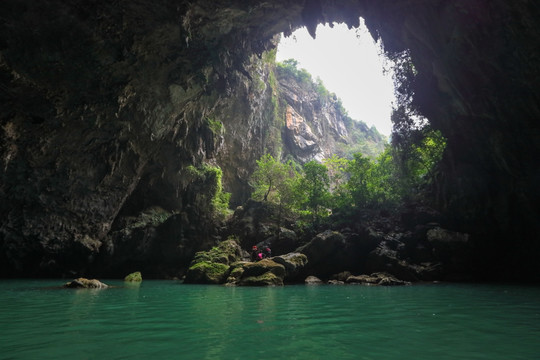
{"type": "Point", "coordinates": [169, 320]}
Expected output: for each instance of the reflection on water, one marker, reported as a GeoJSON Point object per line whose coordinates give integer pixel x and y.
{"type": "Point", "coordinates": [165, 319]}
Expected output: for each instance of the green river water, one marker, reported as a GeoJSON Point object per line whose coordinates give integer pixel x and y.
{"type": "Point", "coordinates": [170, 320]}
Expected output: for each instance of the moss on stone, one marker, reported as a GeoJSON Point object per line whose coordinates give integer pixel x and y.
{"type": "Point", "coordinates": [212, 266]}
{"type": "Point", "coordinates": [237, 272]}
{"type": "Point", "coordinates": [134, 277]}
{"type": "Point", "coordinates": [207, 272]}
{"type": "Point", "coordinates": [266, 279]}
{"type": "Point", "coordinates": [263, 266]}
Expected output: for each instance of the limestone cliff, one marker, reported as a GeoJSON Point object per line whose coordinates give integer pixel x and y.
{"type": "Point", "coordinates": [271, 110]}
{"type": "Point", "coordinates": [316, 124]}
{"type": "Point", "coordinates": [108, 111]}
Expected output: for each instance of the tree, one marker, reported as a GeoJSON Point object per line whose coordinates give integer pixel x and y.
{"type": "Point", "coordinates": [359, 171]}
{"type": "Point", "coordinates": [275, 182]}
{"type": "Point", "coordinates": [267, 179]}
{"type": "Point", "coordinates": [314, 186]}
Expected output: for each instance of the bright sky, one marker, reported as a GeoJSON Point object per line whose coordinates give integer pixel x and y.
{"type": "Point", "coordinates": [349, 64]}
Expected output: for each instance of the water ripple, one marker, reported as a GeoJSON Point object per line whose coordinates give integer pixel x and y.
{"type": "Point", "coordinates": [163, 320]}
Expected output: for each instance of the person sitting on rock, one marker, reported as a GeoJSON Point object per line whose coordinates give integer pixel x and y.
{"type": "Point", "coordinates": [267, 252]}
{"type": "Point", "coordinates": [254, 253]}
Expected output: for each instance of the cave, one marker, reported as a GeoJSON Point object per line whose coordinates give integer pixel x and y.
{"type": "Point", "coordinates": [105, 109]}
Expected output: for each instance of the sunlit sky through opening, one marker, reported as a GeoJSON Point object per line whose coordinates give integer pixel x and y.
{"type": "Point", "coordinates": [350, 64]}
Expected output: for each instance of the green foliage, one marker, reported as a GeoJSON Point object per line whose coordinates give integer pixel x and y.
{"type": "Point", "coordinates": [322, 91]}
{"type": "Point", "coordinates": [313, 189]}
{"type": "Point", "coordinates": [220, 199]}
{"type": "Point", "coordinates": [153, 216]}
{"type": "Point", "coordinates": [208, 272]}
{"type": "Point", "coordinates": [365, 140]}
{"type": "Point", "coordinates": [272, 180]}
{"type": "Point", "coordinates": [215, 126]}
{"type": "Point", "coordinates": [269, 57]}
{"type": "Point", "coordinates": [290, 66]}
{"type": "Point", "coordinates": [213, 189]}
{"type": "Point", "coordinates": [336, 167]}
{"type": "Point", "coordinates": [417, 156]}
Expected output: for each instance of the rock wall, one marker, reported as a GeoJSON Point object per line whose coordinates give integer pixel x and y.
{"type": "Point", "coordinates": [316, 126]}
{"type": "Point", "coordinates": [105, 105]}
{"type": "Point", "coordinates": [477, 69]}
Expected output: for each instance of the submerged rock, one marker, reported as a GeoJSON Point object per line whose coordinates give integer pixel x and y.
{"type": "Point", "coordinates": [86, 284]}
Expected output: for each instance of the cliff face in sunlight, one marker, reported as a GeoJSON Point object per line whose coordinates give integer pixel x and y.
{"type": "Point", "coordinates": [316, 124]}
{"type": "Point", "coordinates": [107, 108]}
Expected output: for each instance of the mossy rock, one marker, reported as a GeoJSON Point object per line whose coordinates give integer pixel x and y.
{"type": "Point", "coordinates": [266, 279]}
{"type": "Point", "coordinates": [260, 267]}
{"type": "Point", "coordinates": [207, 273]}
{"type": "Point", "coordinates": [212, 266]}
{"type": "Point", "coordinates": [237, 270]}
{"type": "Point", "coordinates": [226, 252]}
{"type": "Point", "coordinates": [293, 263]}
{"type": "Point", "coordinates": [134, 277]}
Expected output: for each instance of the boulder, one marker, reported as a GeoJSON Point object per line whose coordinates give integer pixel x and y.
{"type": "Point", "coordinates": [285, 243]}
{"type": "Point", "coordinates": [262, 273]}
{"type": "Point", "coordinates": [313, 280]}
{"type": "Point", "coordinates": [212, 266]}
{"type": "Point", "coordinates": [294, 263]}
{"type": "Point", "coordinates": [335, 282]}
{"type": "Point", "coordinates": [252, 222]}
{"type": "Point", "coordinates": [266, 279]}
{"type": "Point", "coordinates": [327, 253]}
{"type": "Point", "coordinates": [205, 272]}
{"type": "Point", "coordinates": [134, 277]}
{"type": "Point", "coordinates": [342, 276]}
{"type": "Point", "coordinates": [385, 259]}
{"type": "Point", "coordinates": [384, 279]}
{"type": "Point", "coordinates": [86, 284]}
{"type": "Point", "coordinates": [263, 266]}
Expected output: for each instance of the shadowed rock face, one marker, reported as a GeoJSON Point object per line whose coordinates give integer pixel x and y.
{"type": "Point", "coordinates": [104, 105]}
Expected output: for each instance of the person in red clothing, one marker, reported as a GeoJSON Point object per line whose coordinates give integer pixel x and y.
{"type": "Point", "coordinates": [254, 253]}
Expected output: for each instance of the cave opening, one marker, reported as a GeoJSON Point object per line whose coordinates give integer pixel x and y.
{"type": "Point", "coordinates": [350, 63]}
{"type": "Point", "coordinates": [159, 71]}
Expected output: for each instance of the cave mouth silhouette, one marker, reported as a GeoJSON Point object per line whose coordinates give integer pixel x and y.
{"type": "Point", "coordinates": [100, 80]}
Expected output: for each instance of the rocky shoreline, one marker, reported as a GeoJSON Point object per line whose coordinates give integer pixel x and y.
{"type": "Point", "coordinates": [402, 248]}
{"type": "Point", "coordinates": [378, 250]}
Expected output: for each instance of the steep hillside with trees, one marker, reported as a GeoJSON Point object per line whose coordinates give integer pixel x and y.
{"type": "Point", "coordinates": [317, 126]}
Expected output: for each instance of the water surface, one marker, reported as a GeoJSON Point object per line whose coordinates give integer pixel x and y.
{"type": "Point", "coordinates": [169, 320]}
